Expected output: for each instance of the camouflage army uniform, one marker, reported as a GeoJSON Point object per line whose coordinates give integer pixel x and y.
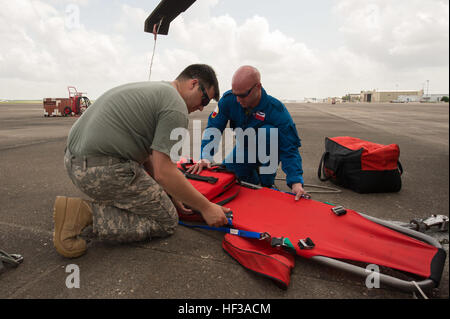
{"type": "Point", "coordinates": [128, 205]}
{"type": "Point", "coordinates": [106, 148]}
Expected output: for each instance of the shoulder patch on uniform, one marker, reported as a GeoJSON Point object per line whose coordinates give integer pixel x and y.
{"type": "Point", "coordinates": [260, 116]}
{"type": "Point", "coordinates": [215, 112]}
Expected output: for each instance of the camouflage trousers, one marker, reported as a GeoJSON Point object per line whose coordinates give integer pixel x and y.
{"type": "Point", "coordinates": [128, 204]}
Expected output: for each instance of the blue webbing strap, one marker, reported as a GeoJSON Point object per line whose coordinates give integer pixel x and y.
{"type": "Point", "coordinates": [229, 230]}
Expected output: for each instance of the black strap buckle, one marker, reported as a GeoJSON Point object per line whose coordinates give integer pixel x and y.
{"type": "Point", "coordinates": [306, 243]}
{"type": "Point", "coordinates": [339, 210]}
{"type": "Point", "coordinates": [282, 242]}
{"type": "Point", "coordinates": [276, 241]}
{"type": "Point", "coordinates": [12, 259]}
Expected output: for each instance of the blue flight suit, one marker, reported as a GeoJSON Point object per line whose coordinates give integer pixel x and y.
{"type": "Point", "coordinates": [269, 113]}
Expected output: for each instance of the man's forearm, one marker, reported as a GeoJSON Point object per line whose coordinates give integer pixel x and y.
{"type": "Point", "coordinates": [178, 186]}
{"type": "Point", "coordinates": [291, 164]}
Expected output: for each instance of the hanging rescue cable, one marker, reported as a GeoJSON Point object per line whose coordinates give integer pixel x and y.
{"type": "Point", "coordinates": [155, 33]}
{"type": "Point", "coordinates": [166, 10]}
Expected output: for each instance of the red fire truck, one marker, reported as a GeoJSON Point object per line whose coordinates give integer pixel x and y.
{"type": "Point", "coordinates": [74, 105]}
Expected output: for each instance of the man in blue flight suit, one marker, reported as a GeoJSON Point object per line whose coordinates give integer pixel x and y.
{"type": "Point", "coordinates": [248, 106]}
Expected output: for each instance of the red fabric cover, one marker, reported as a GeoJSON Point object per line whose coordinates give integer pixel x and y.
{"type": "Point", "coordinates": [350, 236]}
{"type": "Point", "coordinates": [224, 188]}
{"type": "Point", "coordinates": [210, 191]}
{"type": "Point", "coordinates": [260, 257]}
{"type": "Point", "coordinates": [375, 157]}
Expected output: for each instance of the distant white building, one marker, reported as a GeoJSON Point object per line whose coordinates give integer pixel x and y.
{"type": "Point", "coordinates": [387, 96]}
{"type": "Point", "coordinates": [432, 97]}
{"type": "Point", "coordinates": [408, 98]}
{"type": "Point", "coordinates": [312, 100]}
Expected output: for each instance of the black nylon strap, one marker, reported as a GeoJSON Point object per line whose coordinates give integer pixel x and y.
{"type": "Point", "coordinates": [322, 168]}
{"type": "Point", "coordinates": [400, 167]}
{"type": "Point", "coordinates": [229, 199]}
{"type": "Point", "coordinates": [209, 179]}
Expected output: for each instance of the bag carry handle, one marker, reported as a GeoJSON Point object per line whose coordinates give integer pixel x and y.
{"type": "Point", "coordinates": [322, 168]}
{"type": "Point", "coordinates": [208, 179]}
{"type": "Point", "coordinates": [400, 168]}
{"type": "Point", "coordinates": [228, 199]}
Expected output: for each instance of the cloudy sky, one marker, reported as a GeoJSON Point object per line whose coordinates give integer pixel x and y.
{"type": "Point", "coordinates": [303, 48]}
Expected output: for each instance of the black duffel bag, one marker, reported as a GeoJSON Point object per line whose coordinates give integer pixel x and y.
{"type": "Point", "coordinates": [362, 166]}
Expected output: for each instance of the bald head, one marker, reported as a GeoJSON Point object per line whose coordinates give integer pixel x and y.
{"type": "Point", "coordinates": [246, 86]}
{"type": "Point", "coordinates": [246, 75]}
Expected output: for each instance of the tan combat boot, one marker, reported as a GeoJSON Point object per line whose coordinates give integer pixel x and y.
{"type": "Point", "coordinates": [71, 216]}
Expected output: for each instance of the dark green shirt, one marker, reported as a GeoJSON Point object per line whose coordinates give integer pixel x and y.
{"type": "Point", "coordinates": [129, 121]}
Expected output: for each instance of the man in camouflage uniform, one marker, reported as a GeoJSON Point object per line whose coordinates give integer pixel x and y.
{"type": "Point", "coordinates": [118, 153]}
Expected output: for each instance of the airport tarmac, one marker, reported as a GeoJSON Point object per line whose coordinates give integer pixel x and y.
{"type": "Point", "coordinates": [192, 263]}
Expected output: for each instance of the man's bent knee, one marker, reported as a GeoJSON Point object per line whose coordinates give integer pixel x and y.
{"type": "Point", "coordinates": [169, 224]}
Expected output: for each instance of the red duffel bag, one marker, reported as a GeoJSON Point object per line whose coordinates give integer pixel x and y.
{"type": "Point", "coordinates": [362, 166]}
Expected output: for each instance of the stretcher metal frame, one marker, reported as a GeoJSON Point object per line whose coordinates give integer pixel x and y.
{"type": "Point", "coordinates": [388, 280]}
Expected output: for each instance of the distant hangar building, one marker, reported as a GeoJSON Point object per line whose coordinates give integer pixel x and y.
{"type": "Point", "coordinates": [388, 96]}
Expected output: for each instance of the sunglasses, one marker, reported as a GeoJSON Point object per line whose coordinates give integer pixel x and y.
{"type": "Point", "coordinates": [244, 95]}
{"type": "Point", "coordinates": [205, 97]}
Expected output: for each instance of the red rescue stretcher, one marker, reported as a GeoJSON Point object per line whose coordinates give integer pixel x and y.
{"type": "Point", "coordinates": [268, 229]}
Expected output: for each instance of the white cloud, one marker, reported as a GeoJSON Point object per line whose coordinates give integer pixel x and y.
{"type": "Point", "coordinates": [131, 19]}
{"type": "Point", "coordinates": [401, 34]}
{"type": "Point", "coordinates": [222, 43]}
{"type": "Point", "coordinates": [386, 43]}
{"type": "Point", "coordinates": [41, 48]}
